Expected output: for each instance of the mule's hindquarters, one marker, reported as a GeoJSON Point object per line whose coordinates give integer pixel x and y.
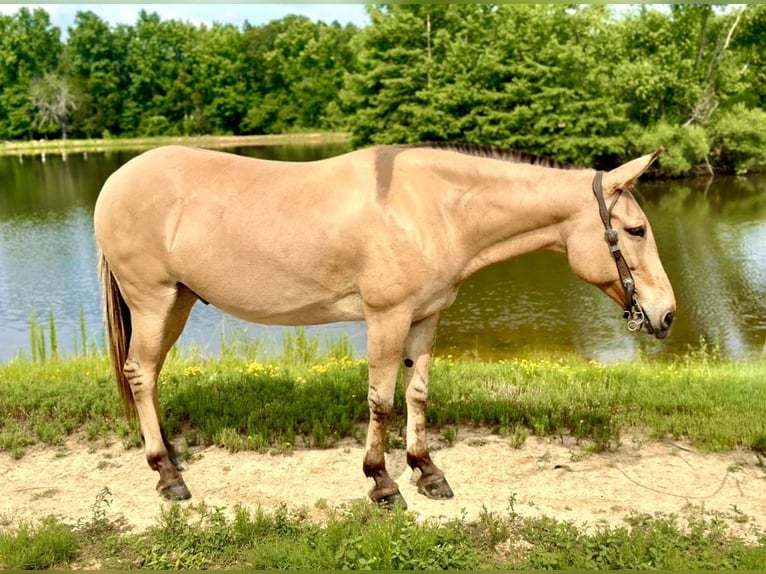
{"type": "Point", "coordinates": [138, 346]}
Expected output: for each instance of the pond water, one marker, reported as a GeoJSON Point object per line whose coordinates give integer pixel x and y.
{"type": "Point", "coordinates": [711, 236]}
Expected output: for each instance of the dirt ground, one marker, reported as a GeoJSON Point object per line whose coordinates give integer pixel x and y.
{"type": "Point", "coordinates": [544, 477]}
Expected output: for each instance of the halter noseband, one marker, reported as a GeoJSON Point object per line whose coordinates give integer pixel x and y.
{"type": "Point", "coordinates": [632, 312]}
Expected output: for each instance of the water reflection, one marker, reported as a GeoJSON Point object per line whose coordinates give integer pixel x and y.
{"type": "Point", "coordinates": [711, 236]}
{"type": "Point", "coordinates": [32, 188]}
{"type": "Point", "coordinates": [710, 262]}
{"type": "Point", "coordinates": [47, 262]}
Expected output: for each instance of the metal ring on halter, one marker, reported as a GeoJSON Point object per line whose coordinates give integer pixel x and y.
{"type": "Point", "coordinates": [636, 322]}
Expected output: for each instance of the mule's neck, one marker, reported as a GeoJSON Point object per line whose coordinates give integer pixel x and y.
{"type": "Point", "coordinates": [504, 210]}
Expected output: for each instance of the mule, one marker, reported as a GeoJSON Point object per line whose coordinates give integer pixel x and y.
{"type": "Point", "coordinates": [385, 235]}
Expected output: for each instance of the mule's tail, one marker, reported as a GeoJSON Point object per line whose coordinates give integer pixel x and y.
{"type": "Point", "coordinates": [118, 329]}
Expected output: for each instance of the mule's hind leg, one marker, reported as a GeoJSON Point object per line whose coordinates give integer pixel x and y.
{"type": "Point", "coordinates": [155, 327]}
{"type": "Point", "coordinates": [417, 358]}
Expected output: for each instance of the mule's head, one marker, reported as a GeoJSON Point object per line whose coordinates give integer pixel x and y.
{"type": "Point", "coordinates": [593, 257]}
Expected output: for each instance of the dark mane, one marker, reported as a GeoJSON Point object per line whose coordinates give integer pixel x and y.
{"type": "Point", "coordinates": [492, 152]}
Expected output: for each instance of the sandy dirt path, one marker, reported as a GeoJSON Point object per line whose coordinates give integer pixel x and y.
{"type": "Point", "coordinates": [544, 477]}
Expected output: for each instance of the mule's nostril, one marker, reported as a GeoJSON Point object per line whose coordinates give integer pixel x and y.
{"type": "Point", "coordinates": [667, 320]}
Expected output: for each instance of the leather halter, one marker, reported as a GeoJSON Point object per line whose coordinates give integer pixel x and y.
{"type": "Point", "coordinates": [632, 311]}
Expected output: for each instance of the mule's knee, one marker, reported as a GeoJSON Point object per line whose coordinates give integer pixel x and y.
{"type": "Point", "coordinates": [380, 404]}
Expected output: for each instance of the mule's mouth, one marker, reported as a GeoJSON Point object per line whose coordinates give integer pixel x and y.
{"type": "Point", "coordinates": [650, 330]}
{"type": "Point", "coordinates": [663, 332]}
{"type": "Point", "coordinates": [664, 329]}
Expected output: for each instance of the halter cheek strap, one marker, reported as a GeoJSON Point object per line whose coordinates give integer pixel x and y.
{"type": "Point", "coordinates": [632, 311]}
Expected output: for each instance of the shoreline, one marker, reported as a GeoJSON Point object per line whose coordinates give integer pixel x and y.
{"type": "Point", "coordinates": [42, 147]}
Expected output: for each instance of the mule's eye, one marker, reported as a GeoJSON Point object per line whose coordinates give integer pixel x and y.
{"type": "Point", "coordinates": [636, 231]}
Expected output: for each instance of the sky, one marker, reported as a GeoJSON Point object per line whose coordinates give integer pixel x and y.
{"type": "Point", "coordinates": [62, 15]}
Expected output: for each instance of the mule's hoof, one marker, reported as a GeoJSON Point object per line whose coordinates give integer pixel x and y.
{"type": "Point", "coordinates": [438, 490]}
{"type": "Point", "coordinates": [175, 490]}
{"type": "Point", "coordinates": [391, 500]}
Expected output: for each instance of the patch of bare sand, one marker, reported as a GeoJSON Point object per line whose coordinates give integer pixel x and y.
{"type": "Point", "coordinates": [544, 477]}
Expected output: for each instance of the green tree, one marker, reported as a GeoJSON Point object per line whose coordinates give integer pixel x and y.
{"type": "Point", "coordinates": [556, 95]}
{"type": "Point", "coordinates": [160, 61]}
{"type": "Point", "coordinates": [575, 82]}
{"type": "Point", "coordinates": [296, 71]}
{"type": "Point", "coordinates": [683, 80]}
{"type": "Point", "coordinates": [220, 97]}
{"type": "Point", "coordinates": [384, 94]}
{"type": "Point", "coordinates": [95, 57]}
{"type": "Point", "coordinates": [750, 44]}
{"type": "Point", "coordinates": [738, 139]}
{"type": "Point", "coordinates": [53, 103]}
{"type": "Point", "coordinates": [29, 48]}
{"type": "Point", "coordinates": [534, 77]}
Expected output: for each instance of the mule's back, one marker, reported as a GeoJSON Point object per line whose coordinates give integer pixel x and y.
{"type": "Point", "coordinates": [251, 236]}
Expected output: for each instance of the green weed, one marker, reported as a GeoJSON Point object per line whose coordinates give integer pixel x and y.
{"type": "Point", "coordinates": [299, 350]}
{"type": "Point", "coordinates": [364, 537]}
{"type": "Point", "coordinates": [46, 544]}
{"type": "Point", "coordinates": [649, 543]}
{"type": "Point", "coordinates": [449, 434]}
{"type": "Point", "coordinates": [189, 538]}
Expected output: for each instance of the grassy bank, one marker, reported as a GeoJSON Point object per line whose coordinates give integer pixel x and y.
{"type": "Point", "coordinates": [364, 537]}
{"type": "Point", "coordinates": [39, 147]}
{"type": "Point", "coordinates": [243, 400]}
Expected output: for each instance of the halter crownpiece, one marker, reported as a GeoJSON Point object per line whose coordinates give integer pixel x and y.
{"type": "Point", "coordinates": [632, 312]}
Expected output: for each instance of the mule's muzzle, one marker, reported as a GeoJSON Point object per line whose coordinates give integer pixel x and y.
{"type": "Point", "coordinates": [638, 320]}
{"type": "Point", "coordinates": [667, 320]}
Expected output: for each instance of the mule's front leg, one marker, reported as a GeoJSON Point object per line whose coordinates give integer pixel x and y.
{"type": "Point", "coordinates": [417, 359]}
{"type": "Point", "coordinates": [385, 342]}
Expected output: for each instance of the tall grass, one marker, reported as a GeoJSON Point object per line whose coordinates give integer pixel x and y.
{"type": "Point", "coordinates": [37, 346]}
{"type": "Point", "coordinates": [44, 339]}
{"type": "Point", "coordinates": [43, 348]}
{"type": "Point", "coordinates": [314, 395]}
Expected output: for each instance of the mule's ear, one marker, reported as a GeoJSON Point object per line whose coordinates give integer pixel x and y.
{"type": "Point", "coordinates": [626, 175]}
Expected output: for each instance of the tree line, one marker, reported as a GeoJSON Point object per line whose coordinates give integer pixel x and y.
{"type": "Point", "coordinates": [579, 83]}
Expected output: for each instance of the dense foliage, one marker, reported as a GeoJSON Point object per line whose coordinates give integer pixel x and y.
{"type": "Point", "coordinates": [365, 537]}
{"type": "Point", "coordinates": [583, 83]}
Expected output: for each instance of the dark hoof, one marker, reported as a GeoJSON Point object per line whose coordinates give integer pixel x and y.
{"type": "Point", "coordinates": [438, 490]}
{"type": "Point", "coordinates": [391, 500]}
{"type": "Point", "coordinates": [175, 490]}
